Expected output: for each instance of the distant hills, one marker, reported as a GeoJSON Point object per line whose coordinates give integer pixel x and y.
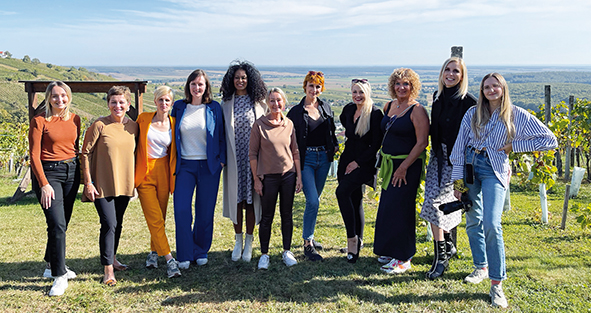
{"type": "Point", "coordinates": [13, 99]}
{"type": "Point", "coordinates": [526, 83]}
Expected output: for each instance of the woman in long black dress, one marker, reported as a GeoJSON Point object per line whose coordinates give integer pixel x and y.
{"type": "Point", "coordinates": [406, 127]}
{"type": "Point", "coordinates": [361, 119]}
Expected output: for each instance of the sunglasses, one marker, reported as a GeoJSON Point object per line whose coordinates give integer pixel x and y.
{"type": "Point", "coordinates": [361, 81]}
{"type": "Point", "coordinates": [314, 73]}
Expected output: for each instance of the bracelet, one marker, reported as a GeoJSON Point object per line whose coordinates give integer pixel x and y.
{"type": "Point", "coordinates": [459, 186]}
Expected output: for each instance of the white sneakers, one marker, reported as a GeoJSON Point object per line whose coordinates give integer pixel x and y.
{"type": "Point", "coordinates": [264, 262]}
{"type": "Point", "coordinates": [60, 284]}
{"type": "Point", "coordinates": [152, 260]}
{"type": "Point", "coordinates": [497, 297]}
{"type": "Point", "coordinates": [478, 275]}
{"type": "Point", "coordinates": [287, 257]}
{"type": "Point", "coordinates": [184, 265]}
{"type": "Point", "coordinates": [201, 261]}
{"type": "Point", "coordinates": [396, 266]}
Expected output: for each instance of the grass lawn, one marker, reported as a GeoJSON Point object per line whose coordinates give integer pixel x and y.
{"type": "Point", "coordinates": [548, 269]}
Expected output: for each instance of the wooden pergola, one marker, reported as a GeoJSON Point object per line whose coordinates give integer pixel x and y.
{"type": "Point", "coordinates": [32, 87]}
{"type": "Point", "coordinates": [138, 88]}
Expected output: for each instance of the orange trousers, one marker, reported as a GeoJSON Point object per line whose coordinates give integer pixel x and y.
{"type": "Point", "coordinates": [153, 193]}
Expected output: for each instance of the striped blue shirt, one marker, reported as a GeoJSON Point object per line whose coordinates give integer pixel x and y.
{"type": "Point", "coordinates": [530, 135]}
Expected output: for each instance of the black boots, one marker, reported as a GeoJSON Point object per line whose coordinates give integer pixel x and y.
{"type": "Point", "coordinates": [450, 247]}
{"type": "Point", "coordinates": [440, 260]}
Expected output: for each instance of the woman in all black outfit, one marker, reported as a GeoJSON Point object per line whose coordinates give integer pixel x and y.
{"type": "Point", "coordinates": [361, 120]}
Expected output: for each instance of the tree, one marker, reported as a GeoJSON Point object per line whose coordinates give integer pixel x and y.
{"type": "Point", "coordinates": [8, 54]}
{"type": "Point", "coordinates": [35, 61]}
{"type": "Point", "coordinates": [27, 59]}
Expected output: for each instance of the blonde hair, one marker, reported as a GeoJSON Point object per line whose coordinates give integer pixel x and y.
{"type": "Point", "coordinates": [365, 118]}
{"type": "Point", "coordinates": [65, 114]}
{"type": "Point", "coordinates": [483, 114]}
{"type": "Point", "coordinates": [163, 91]}
{"type": "Point", "coordinates": [283, 97]}
{"type": "Point", "coordinates": [404, 74]}
{"type": "Point", "coordinates": [463, 89]}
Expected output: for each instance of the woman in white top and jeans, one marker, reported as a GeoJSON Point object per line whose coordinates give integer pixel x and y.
{"type": "Point", "coordinates": [489, 132]}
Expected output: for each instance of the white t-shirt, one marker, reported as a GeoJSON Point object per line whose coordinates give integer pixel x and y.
{"type": "Point", "coordinates": [194, 133]}
{"type": "Point", "coordinates": [158, 142]}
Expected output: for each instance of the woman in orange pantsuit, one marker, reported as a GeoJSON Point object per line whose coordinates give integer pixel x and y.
{"type": "Point", "coordinates": [154, 175]}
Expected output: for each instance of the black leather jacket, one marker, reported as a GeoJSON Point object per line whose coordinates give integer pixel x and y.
{"type": "Point", "coordinates": [299, 116]}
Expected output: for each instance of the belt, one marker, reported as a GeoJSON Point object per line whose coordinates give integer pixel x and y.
{"type": "Point", "coordinates": [477, 151]}
{"type": "Point", "coordinates": [318, 148]}
{"type": "Point", "coordinates": [72, 160]}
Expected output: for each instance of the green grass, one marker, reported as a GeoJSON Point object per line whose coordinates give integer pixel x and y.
{"type": "Point", "coordinates": [548, 268]}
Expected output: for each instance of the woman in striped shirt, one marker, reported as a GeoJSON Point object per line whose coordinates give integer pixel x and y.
{"type": "Point", "coordinates": [489, 132]}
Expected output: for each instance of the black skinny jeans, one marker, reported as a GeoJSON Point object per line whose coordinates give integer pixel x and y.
{"type": "Point", "coordinates": [64, 178]}
{"type": "Point", "coordinates": [274, 185]}
{"type": "Point", "coordinates": [110, 211]}
{"type": "Point", "coordinates": [350, 198]}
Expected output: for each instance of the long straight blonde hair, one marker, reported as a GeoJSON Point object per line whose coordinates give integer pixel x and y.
{"type": "Point", "coordinates": [483, 114]}
{"type": "Point", "coordinates": [463, 88]}
{"type": "Point", "coordinates": [364, 119]}
{"type": "Point", "coordinates": [65, 114]}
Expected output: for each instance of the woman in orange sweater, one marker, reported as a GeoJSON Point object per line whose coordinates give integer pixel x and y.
{"type": "Point", "coordinates": [155, 164]}
{"type": "Point", "coordinates": [53, 148]}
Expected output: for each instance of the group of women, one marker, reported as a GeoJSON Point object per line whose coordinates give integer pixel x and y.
{"type": "Point", "coordinates": [182, 149]}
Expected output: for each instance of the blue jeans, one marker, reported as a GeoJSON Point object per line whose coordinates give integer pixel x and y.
{"type": "Point", "coordinates": [314, 173]}
{"type": "Point", "coordinates": [194, 177]}
{"type": "Point", "coordinates": [483, 221]}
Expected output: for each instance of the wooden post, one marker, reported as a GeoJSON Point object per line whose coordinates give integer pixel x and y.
{"type": "Point", "coordinates": [457, 51]}
{"type": "Point", "coordinates": [548, 105]}
{"type": "Point", "coordinates": [565, 206]}
{"type": "Point", "coordinates": [571, 102]}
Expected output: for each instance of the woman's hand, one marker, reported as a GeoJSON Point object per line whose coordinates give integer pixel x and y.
{"type": "Point", "coordinates": [507, 148]}
{"type": "Point", "coordinates": [399, 177]}
{"type": "Point", "coordinates": [299, 184]}
{"type": "Point", "coordinates": [458, 195]}
{"type": "Point", "coordinates": [90, 192]}
{"type": "Point", "coordinates": [47, 194]}
{"type": "Point", "coordinates": [258, 186]}
{"type": "Point", "coordinates": [351, 167]}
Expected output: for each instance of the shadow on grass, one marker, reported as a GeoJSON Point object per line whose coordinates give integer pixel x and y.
{"type": "Point", "coordinates": [222, 280]}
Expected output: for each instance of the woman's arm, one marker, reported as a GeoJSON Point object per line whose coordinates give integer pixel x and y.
{"type": "Point", "coordinates": [530, 133]}
{"type": "Point", "coordinates": [298, 176]}
{"type": "Point", "coordinates": [35, 139]}
{"type": "Point", "coordinates": [420, 121]}
{"type": "Point", "coordinates": [253, 155]}
{"type": "Point", "coordinates": [90, 139]}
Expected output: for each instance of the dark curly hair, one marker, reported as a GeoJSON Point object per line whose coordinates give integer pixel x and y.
{"type": "Point", "coordinates": [255, 87]}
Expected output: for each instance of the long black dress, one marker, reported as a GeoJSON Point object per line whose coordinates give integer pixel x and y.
{"type": "Point", "coordinates": [395, 223]}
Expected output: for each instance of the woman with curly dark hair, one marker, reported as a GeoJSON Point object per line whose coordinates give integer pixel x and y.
{"type": "Point", "coordinates": [243, 101]}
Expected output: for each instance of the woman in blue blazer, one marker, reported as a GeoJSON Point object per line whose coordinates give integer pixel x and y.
{"type": "Point", "coordinates": [201, 154]}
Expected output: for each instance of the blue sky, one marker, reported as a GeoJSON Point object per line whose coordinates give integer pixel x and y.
{"type": "Point", "coordinates": [278, 32]}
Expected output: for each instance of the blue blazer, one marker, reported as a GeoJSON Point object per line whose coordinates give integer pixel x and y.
{"type": "Point", "coordinates": [216, 137]}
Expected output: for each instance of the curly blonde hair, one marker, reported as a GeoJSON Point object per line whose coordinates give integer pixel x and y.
{"type": "Point", "coordinates": [405, 74]}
